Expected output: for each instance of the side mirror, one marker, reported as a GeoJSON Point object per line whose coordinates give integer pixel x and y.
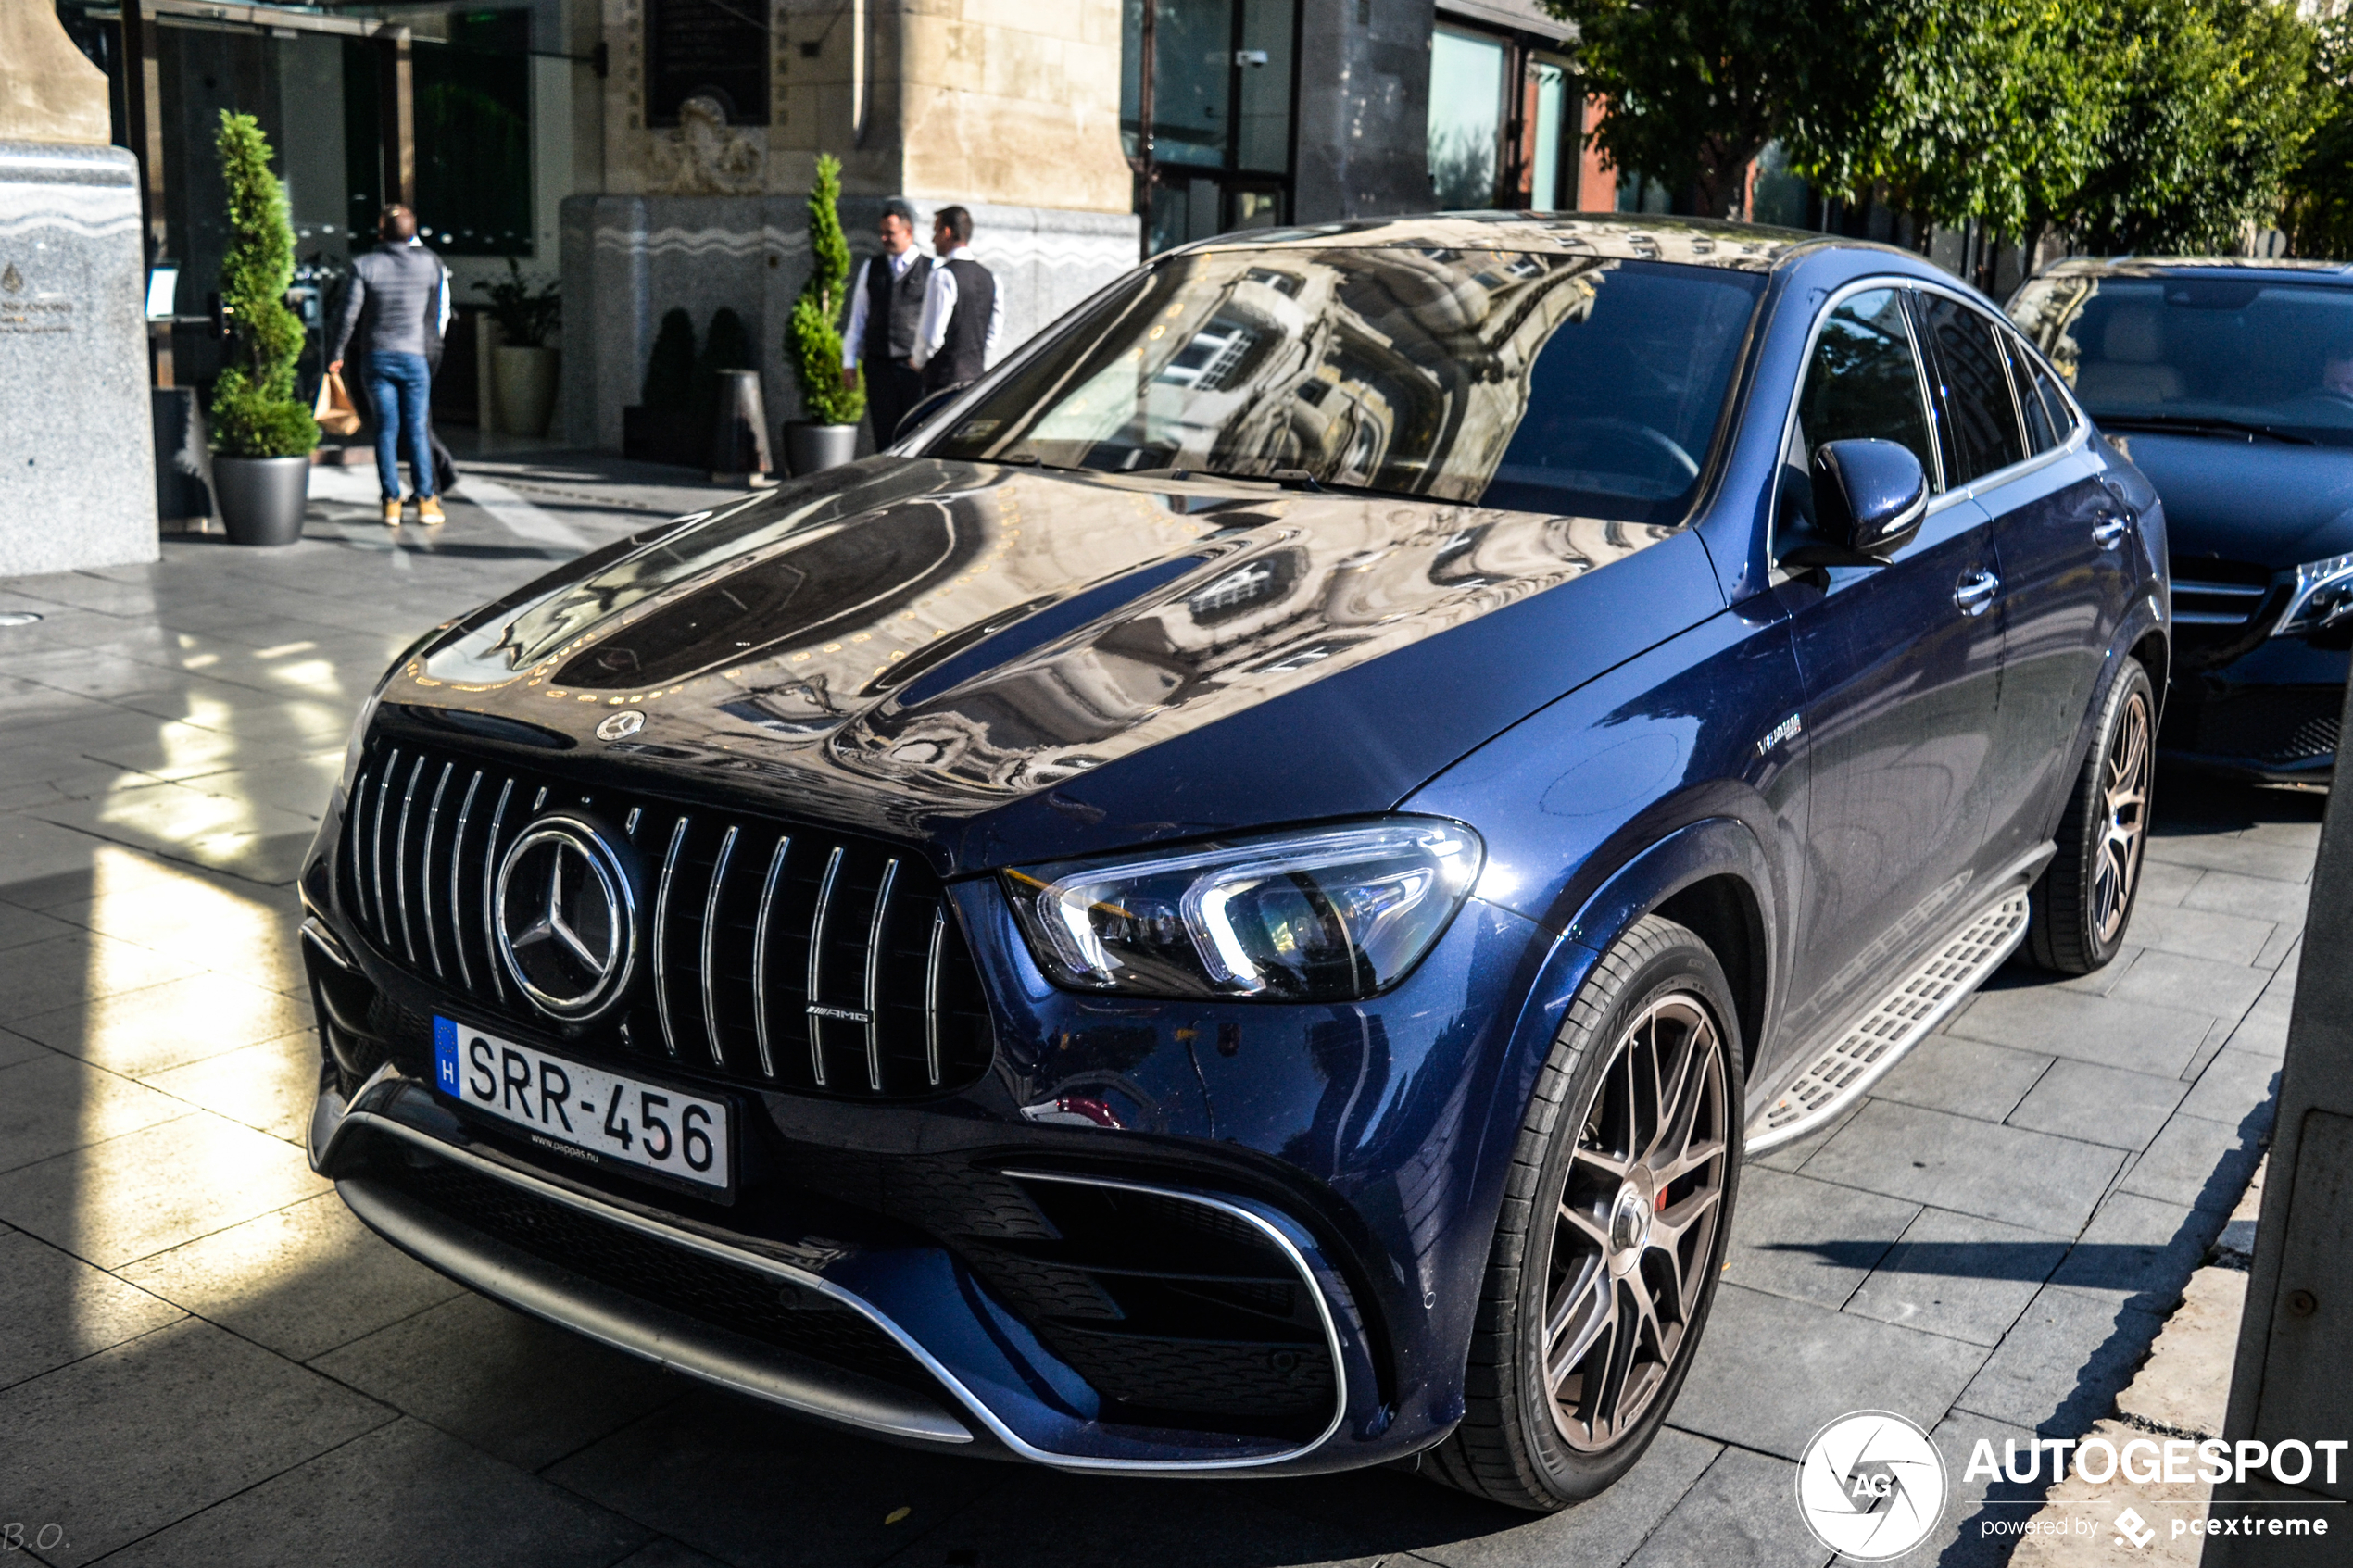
{"type": "Point", "coordinates": [1869, 499]}
{"type": "Point", "coordinates": [925, 408]}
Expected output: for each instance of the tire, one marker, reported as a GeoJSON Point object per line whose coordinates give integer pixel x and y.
{"type": "Point", "coordinates": [2081, 906]}
{"type": "Point", "coordinates": [1588, 1144]}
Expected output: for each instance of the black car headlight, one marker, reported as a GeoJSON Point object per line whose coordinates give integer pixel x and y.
{"type": "Point", "coordinates": [2324, 596]}
{"type": "Point", "coordinates": [1322, 914]}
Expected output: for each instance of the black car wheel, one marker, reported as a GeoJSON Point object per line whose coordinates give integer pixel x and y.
{"type": "Point", "coordinates": [1612, 1233]}
{"type": "Point", "coordinates": [2082, 906]}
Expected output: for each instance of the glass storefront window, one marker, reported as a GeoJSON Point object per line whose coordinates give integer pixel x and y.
{"type": "Point", "coordinates": [1221, 114]}
{"type": "Point", "coordinates": [1547, 192]}
{"type": "Point", "coordinates": [473, 135]}
{"type": "Point", "coordinates": [1465, 117]}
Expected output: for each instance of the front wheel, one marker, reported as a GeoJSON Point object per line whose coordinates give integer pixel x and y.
{"type": "Point", "coordinates": [1614, 1219]}
{"type": "Point", "coordinates": [2079, 910]}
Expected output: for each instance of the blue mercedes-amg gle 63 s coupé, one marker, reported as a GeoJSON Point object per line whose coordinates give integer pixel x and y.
{"type": "Point", "coordinates": [1233, 903]}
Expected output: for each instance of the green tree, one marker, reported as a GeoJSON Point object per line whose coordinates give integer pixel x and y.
{"type": "Point", "coordinates": [2136, 124]}
{"type": "Point", "coordinates": [812, 343]}
{"type": "Point", "coordinates": [2319, 214]}
{"type": "Point", "coordinates": [1697, 87]}
{"type": "Point", "coordinates": [254, 411]}
{"type": "Point", "coordinates": [1988, 110]}
{"type": "Point", "coordinates": [2212, 109]}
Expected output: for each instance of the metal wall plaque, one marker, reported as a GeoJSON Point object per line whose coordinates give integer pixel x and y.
{"type": "Point", "coordinates": [715, 49]}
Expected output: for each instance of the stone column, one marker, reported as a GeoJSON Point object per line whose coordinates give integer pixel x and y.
{"type": "Point", "coordinates": [77, 443]}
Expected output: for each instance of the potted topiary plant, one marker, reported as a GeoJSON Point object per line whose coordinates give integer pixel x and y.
{"type": "Point", "coordinates": [262, 433]}
{"type": "Point", "coordinates": [523, 367]}
{"type": "Point", "coordinates": [826, 436]}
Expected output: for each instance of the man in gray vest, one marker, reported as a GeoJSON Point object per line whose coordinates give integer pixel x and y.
{"type": "Point", "coordinates": [963, 316]}
{"type": "Point", "coordinates": [886, 301]}
{"type": "Point", "coordinates": [398, 300]}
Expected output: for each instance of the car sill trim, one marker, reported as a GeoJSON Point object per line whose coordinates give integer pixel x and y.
{"type": "Point", "coordinates": [1858, 1071]}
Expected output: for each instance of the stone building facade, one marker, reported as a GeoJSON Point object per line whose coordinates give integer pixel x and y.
{"type": "Point", "coordinates": [654, 154]}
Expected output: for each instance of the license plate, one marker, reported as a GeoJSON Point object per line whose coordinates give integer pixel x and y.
{"type": "Point", "coordinates": [575, 1109]}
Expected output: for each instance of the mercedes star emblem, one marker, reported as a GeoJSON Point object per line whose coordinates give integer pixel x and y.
{"type": "Point", "coordinates": [567, 918]}
{"type": "Point", "coordinates": [620, 725]}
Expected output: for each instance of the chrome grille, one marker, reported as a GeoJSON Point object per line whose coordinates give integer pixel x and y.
{"type": "Point", "coordinates": [776, 955]}
{"type": "Point", "coordinates": [2219, 592]}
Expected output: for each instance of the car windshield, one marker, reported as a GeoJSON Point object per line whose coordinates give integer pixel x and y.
{"type": "Point", "coordinates": [1540, 382]}
{"type": "Point", "coordinates": [2237, 357]}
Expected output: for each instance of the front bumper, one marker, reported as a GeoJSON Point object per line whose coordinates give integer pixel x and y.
{"type": "Point", "coordinates": [2271, 715]}
{"type": "Point", "coordinates": [1348, 1142]}
{"type": "Point", "coordinates": [971, 1378]}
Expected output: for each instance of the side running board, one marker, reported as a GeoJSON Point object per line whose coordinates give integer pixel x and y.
{"type": "Point", "coordinates": [1863, 1052]}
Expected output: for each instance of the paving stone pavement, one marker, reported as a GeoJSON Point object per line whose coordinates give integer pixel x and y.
{"type": "Point", "coordinates": [205, 1360]}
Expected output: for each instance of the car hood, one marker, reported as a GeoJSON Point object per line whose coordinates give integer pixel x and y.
{"type": "Point", "coordinates": [1005, 663]}
{"type": "Point", "coordinates": [2271, 505]}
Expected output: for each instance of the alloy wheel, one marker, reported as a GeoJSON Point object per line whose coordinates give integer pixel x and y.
{"type": "Point", "coordinates": [1635, 1234]}
{"type": "Point", "coordinates": [2124, 794]}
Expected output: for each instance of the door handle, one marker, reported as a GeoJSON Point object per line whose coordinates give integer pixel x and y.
{"type": "Point", "coordinates": [2109, 528]}
{"type": "Point", "coordinates": [1973, 595]}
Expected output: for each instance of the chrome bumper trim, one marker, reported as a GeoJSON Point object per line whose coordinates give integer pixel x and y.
{"type": "Point", "coordinates": [660, 1335]}
{"type": "Point", "coordinates": [1290, 1254]}
{"type": "Point", "coordinates": [666, 1338]}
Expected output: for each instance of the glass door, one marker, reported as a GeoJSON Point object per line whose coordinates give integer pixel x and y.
{"type": "Point", "coordinates": [1219, 155]}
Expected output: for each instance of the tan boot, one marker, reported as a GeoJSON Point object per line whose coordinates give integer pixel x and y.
{"type": "Point", "coordinates": [429, 512]}
{"type": "Point", "coordinates": [392, 514]}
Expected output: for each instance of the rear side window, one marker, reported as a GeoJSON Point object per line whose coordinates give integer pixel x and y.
{"type": "Point", "coordinates": [1977, 391]}
{"type": "Point", "coordinates": [1863, 380]}
{"type": "Point", "coordinates": [2054, 401]}
{"type": "Point", "coordinates": [2040, 433]}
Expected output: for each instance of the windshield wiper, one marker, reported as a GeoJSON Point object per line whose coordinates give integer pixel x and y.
{"type": "Point", "coordinates": [2200, 425]}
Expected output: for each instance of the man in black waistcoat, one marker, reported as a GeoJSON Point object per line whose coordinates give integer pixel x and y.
{"type": "Point", "coordinates": [885, 302]}
{"type": "Point", "coordinates": [963, 315]}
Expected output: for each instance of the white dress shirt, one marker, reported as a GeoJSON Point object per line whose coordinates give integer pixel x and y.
{"type": "Point", "coordinates": [853, 337]}
{"type": "Point", "coordinates": [939, 304]}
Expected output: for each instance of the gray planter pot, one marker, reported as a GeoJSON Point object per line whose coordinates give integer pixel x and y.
{"type": "Point", "coordinates": [526, 387]}
{"type": "Point", "coordinates": [261, 498]}
{"type": "Point", "coordinates": [814, 448]}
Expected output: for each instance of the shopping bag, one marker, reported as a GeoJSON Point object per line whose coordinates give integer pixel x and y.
{"type": "Point", "coordinates": [333, 410]}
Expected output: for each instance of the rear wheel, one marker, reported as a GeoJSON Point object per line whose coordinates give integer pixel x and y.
{"type": "Point", "coordinates": [1612, 1233]}
{"type": "Point", "coordinates": [2080, 908]}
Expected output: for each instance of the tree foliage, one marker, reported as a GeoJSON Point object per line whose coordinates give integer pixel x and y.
{"type": "Point", "coordinates": [254, 411]}
{"type": "Point", "coordinates": [2208, 110]}
{"type": "Point", "coordinates": [2319, 215]}
{"type": "Point", "coordinates": [814, 342]}
{"type": "Point", "coordinates": [1697, 87]}
{"type": "Point", "coordinates": [2134, 124]}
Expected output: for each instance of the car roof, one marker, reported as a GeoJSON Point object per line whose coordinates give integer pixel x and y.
{"type": "Point", "coordinates": [2187, 265]}
{"type": "Point", "coordinates": [1747, 247]}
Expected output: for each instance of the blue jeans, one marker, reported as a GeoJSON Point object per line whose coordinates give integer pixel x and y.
{"type": "Point", "coordinates": [400, 390]}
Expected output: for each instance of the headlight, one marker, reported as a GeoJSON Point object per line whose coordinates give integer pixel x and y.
{"type": "Point", "coordinates": [2324, 596]}
{"type": "Point", "coordinates": [1328, 914]}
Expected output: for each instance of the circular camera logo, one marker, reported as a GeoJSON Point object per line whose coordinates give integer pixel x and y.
{"type": "Point", "coordinates": [1871, 1485]}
